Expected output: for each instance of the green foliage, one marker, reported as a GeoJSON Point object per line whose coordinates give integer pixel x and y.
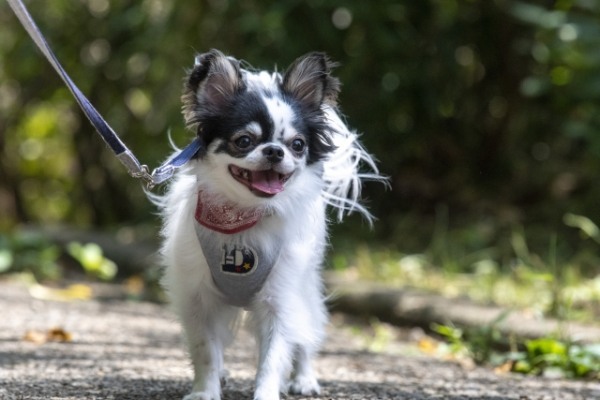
{"type": "Point", "coordinates": [543, 356]}
{"type": "Point", "coordinates": [483, 113]}
{"type": "Point", "coordinates": [92, 260]}
{"type": "Point", "coordinates": [454, 337]}
{"type": "Point", "coordinates": [463, 102]}
{"type": "Point", "coordinates": [506, 272]}
{"type": "Point", "coordinates": [29, 253]}
{"type": "Point", "coordinates": [552, 356]}
{"type": "Point", "coordinates": [34, 254]}
{"type": "Point", "coordinates": [480, 344]}
{"type": "Point", "coordinates": [588, 228]}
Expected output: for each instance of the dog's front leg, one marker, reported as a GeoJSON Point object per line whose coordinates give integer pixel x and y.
{"type": "Point", "coordinates": [206, 357]}
{"type": "Point", "coordinates": [205, 329]}
{"type": "Point", "coordinates": [275, 359]}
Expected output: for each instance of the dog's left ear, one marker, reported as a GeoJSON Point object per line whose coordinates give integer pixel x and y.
{"type": "Point", "coordinates": [309, 81]}
{"type": "Point", "coordinates": [211, 85]}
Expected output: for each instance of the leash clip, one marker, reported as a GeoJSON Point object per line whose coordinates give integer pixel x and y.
{"type": "Point", "coordinates": [135, 169]}
{"type": "Point", "coordinates": [146, 176]}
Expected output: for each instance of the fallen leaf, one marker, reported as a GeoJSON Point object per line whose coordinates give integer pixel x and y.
{"type": "Point", "coordinates": [51, 335]}
{"type": "Point", "coordinates": [134, 286]}
{"type": "Point", "coordinates": [76, 291]}
{"type": "Point", "coordinates": [58, 335]}
{"type": "Point", "coordinates": [34, 336]}
{"type": "Point", "coordinates": [428, 345]}
{"type": "Point", "coordinates": [504, 368]}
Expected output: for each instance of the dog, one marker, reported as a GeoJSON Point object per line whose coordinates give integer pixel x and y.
{"type": "Point", "coordinates": [245, 221]}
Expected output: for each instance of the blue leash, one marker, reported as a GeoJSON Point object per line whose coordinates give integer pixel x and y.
{"type": "Point", "coordinates": [135, 169]}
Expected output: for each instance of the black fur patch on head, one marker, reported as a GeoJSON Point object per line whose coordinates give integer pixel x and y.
{"type": "Point", "coordinates": [312, 125]}
{"type": "Point", "coordinates": [210, 89]}
{"type": "Point", "coordinates": [308, 83]}
{"type": "Point", "coordinates": [219, 103]}
{"type": "Point", "coordinates": [247, 107]}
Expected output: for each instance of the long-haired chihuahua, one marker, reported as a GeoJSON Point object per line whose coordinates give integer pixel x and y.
{"type": "Point", "coordinates": [245, 222]}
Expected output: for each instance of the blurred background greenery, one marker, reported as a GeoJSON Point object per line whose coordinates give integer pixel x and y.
{"type": "Point", "coordinates": [484, 114]}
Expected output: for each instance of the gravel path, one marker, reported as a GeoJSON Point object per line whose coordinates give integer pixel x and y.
{"type": "Point", "coordinates": [126, 350]}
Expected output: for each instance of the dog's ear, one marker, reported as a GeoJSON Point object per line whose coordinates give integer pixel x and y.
{"type": "Point", "coordinates": [211, 85]}
{"type": "Point", "coordinates": [309, 81]}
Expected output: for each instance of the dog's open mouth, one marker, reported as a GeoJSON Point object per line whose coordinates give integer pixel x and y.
{"type": "Point", "coordinates": [265, 183]}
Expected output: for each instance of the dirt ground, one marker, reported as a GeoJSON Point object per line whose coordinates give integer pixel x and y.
{"type": "Point", "coordinates": [115, 349]}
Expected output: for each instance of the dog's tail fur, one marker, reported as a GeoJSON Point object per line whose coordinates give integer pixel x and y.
{"type": "Point", "coordinates": [346, 168]}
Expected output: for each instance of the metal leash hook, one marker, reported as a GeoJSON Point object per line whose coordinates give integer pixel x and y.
{"type": "Point", "coordinates": [146, 177]}
{"type": "Point", "coordinates": [134, 167]}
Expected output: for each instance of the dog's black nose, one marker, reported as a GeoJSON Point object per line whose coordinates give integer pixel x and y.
{"type": "Point", "coordinates": [273, 153]}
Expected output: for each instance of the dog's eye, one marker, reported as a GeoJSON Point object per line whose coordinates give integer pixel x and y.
{"type": "Point", "coordinates": [298, 145]}
{"type": "Point", "coordinates": [243, 142]}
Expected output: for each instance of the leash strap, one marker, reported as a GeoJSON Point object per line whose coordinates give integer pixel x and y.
{"type": "Point", "coordinates": [135, 169]}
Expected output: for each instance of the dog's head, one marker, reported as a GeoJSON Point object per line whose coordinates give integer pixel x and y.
{"type": "Point", "coordinates": [260, 131]}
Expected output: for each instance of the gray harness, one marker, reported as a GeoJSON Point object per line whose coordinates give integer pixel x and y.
{"type": "Point", "coordinates": [239, 269]}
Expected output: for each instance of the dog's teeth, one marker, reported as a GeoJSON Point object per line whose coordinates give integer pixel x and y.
{"type": "Point", "coordinates": [245, 174]}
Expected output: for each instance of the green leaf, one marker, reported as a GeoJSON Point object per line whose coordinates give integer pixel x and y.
{"type": "Point", "coordinates": [523, 366]}
{"type": "Point", "coordinates": [449, 332]}
{"type": "Point", "coordinates": [91, 258]}
{"type": "Point", "coordinates": [546, 346]}
{"type": "Point", "coordinates": [586, 225]}
{"type": "Point", "coordinates": [6, 260]}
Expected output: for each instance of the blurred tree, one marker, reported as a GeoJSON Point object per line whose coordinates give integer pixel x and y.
{"type": "Point", "coordinates": [487, 107]}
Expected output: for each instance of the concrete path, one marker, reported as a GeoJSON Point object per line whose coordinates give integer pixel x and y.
{"type": "Point", "coordinates": [128, 350]}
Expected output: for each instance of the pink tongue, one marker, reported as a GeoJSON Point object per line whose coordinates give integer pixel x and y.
{"type": "Point", "coordinates": [266, 182]}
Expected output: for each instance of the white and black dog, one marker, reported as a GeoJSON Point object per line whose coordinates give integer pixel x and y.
{"type": "Point", "coordinates": [245, 220]}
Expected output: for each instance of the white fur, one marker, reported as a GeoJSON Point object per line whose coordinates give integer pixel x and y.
{"type": "Point", "coordinates": [288, 315]}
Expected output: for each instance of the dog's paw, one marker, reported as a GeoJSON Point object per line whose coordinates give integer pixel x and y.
{"type": "Point", "coordinates": [304, 385]}
{"type": "Point", "coordinates": [272, 396]}
{"type": "Point", "coordinates": [266, 393]}
{"type": "Point", "coordinates": [201, 396]}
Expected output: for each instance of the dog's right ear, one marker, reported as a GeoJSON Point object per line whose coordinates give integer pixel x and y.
{"type": "Point", "coordinates": [210, 86]}
{"type": "Point", "coordinates": [309, 81]}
